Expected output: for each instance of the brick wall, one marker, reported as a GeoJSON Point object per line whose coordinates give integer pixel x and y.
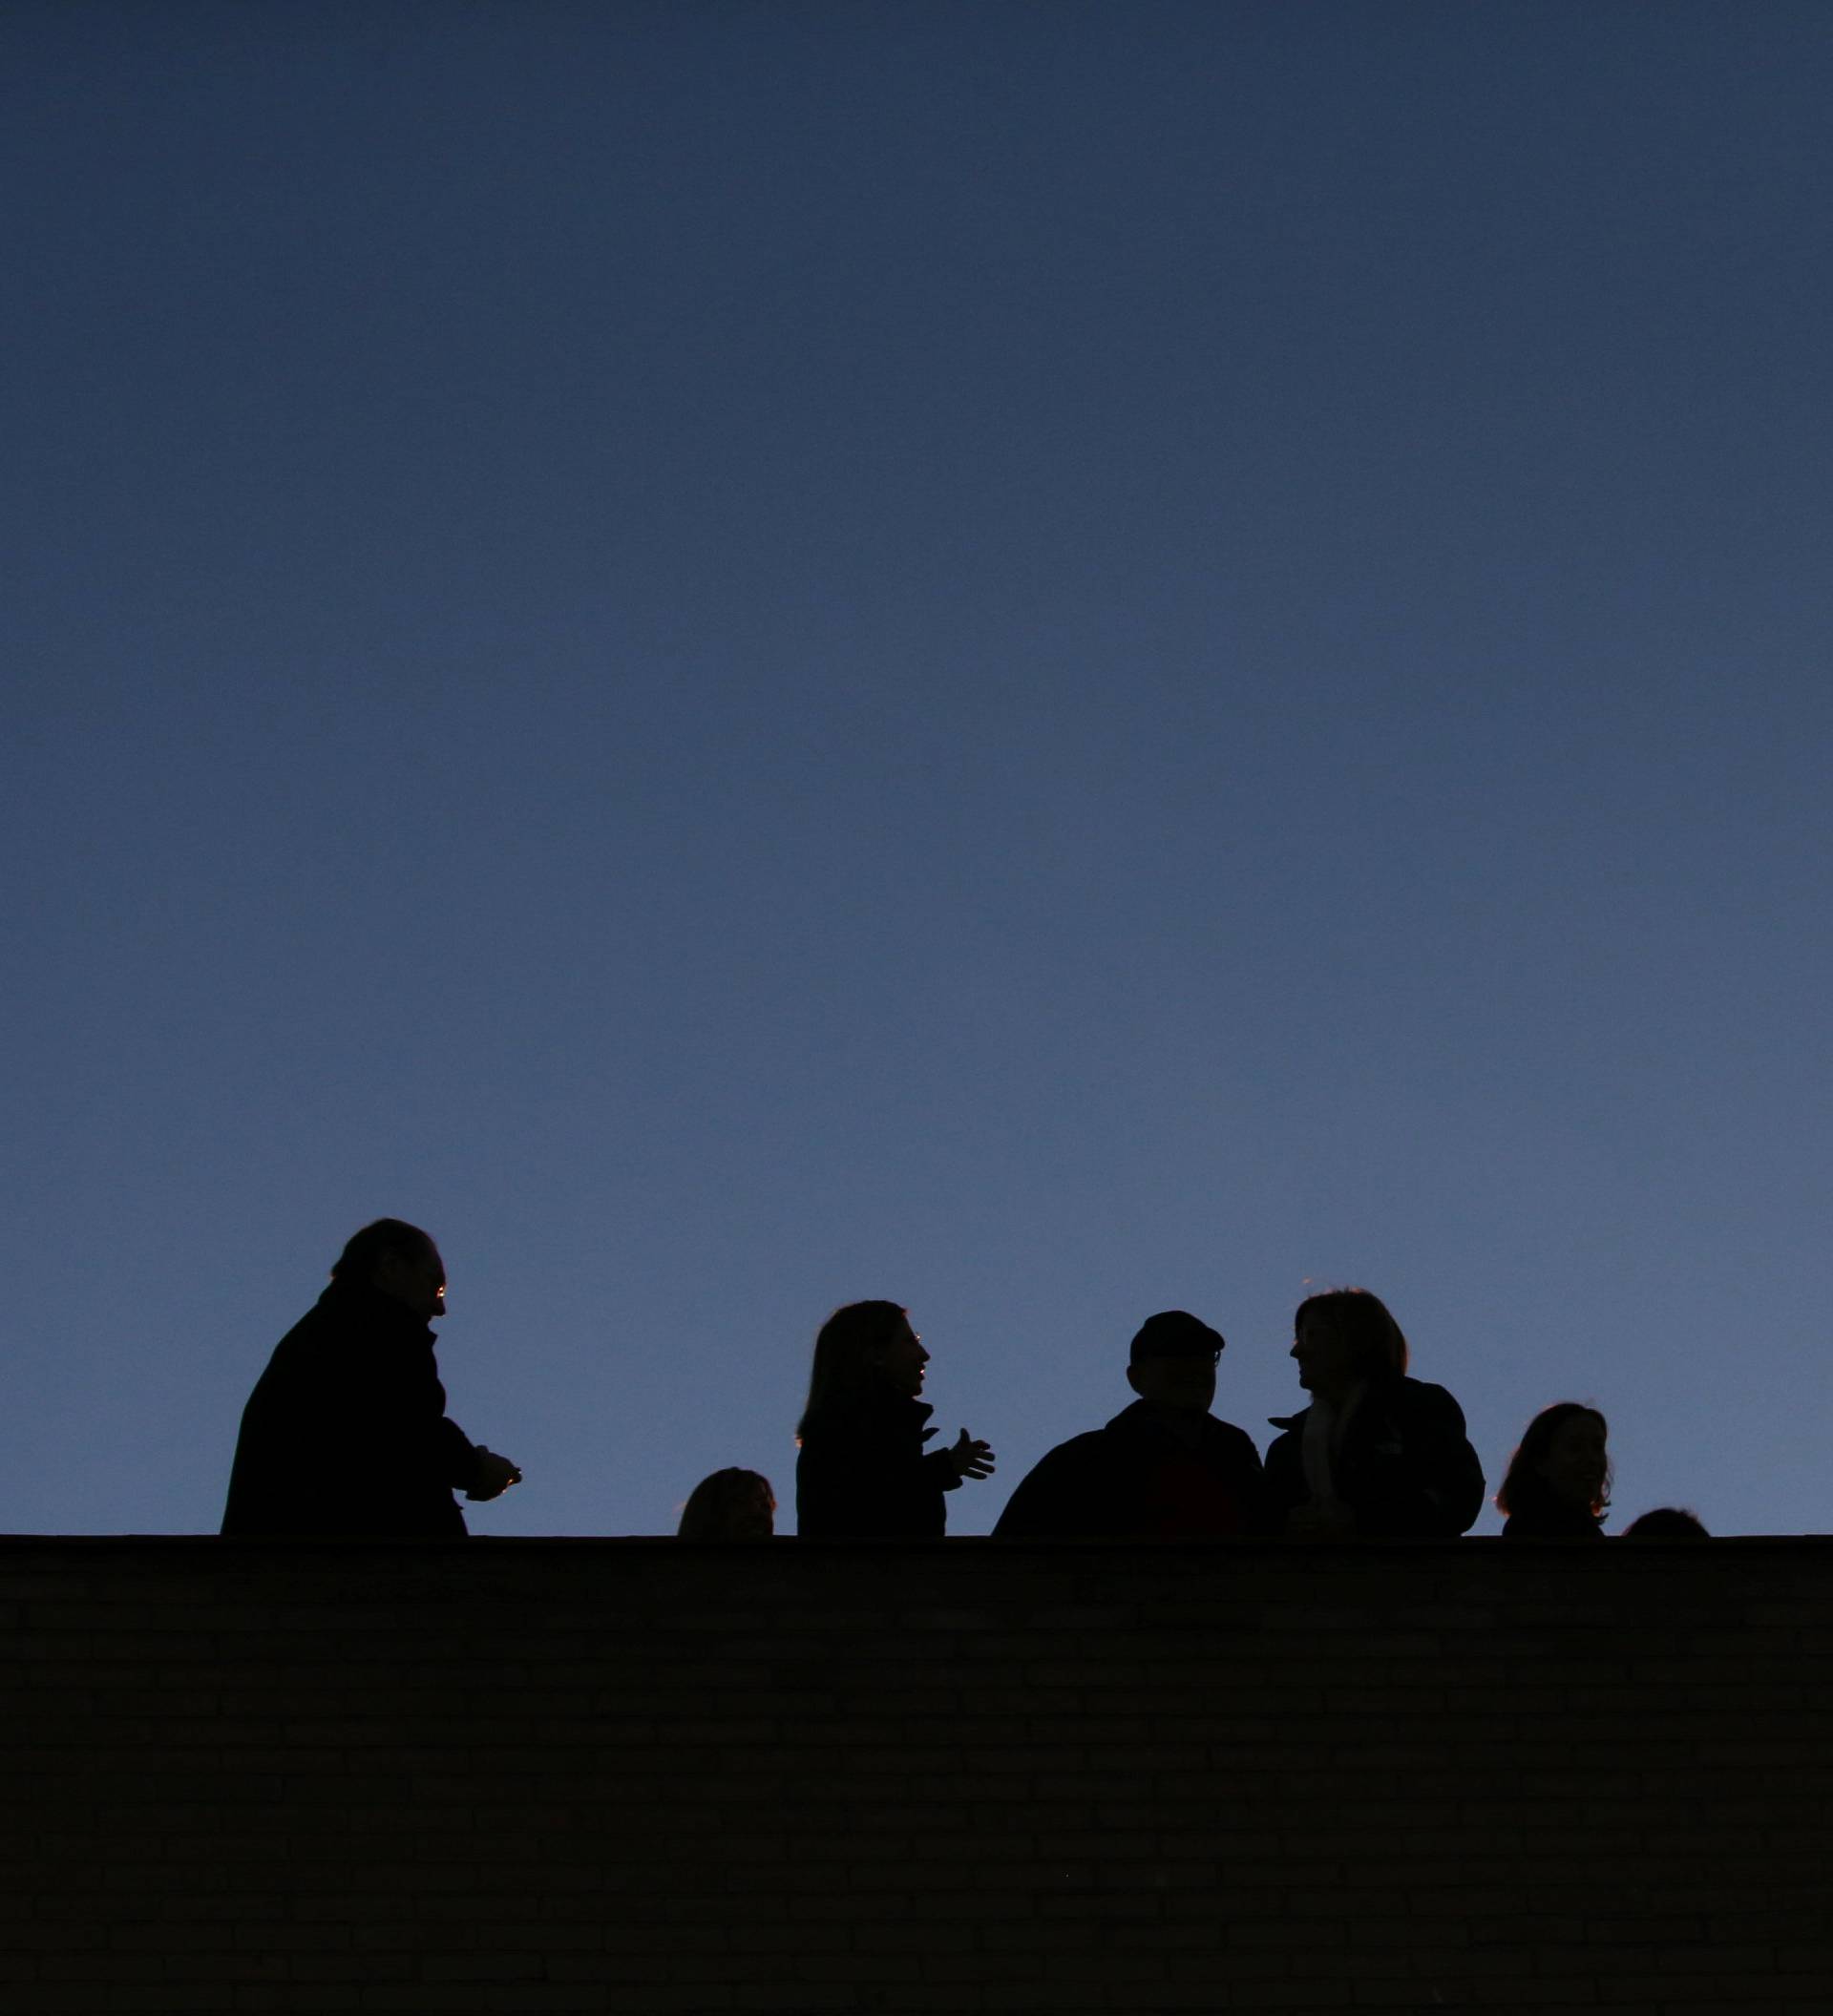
{"type": "Point", "coordinates": [530, 1775]}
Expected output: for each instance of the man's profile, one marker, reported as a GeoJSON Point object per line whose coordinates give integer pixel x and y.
{"type": "Point", "coordinates": [1163, 1468]}
{"type": "Point", "coordinates": [345, 1431]}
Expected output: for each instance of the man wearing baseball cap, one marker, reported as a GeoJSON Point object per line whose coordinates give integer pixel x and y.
{"type": "Point", "coordinates": [1163, 1468]}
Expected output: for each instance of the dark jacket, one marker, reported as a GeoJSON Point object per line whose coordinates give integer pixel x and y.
{"type": "Point", "coordinates": [1549, 1520]}
{"type": "Point", "coordinates": [1406, 1466]}
{"type": "Point", "coordinates": [1136, 1479]}
{"type": "Point", "coordinates": [345, 1432]}
{"type": "Point", "coordinates": [862, 1474]}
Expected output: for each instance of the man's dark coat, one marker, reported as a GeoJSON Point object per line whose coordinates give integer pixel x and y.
{"type": "Point", "coordinates": [345, 1432]}
{"type": "Point", "coordinates": [862, 1474]}
{"type": "Point", "coordinates": [1136, 1479]}
{"type": "Point", "coordinates": [1405, 1467]}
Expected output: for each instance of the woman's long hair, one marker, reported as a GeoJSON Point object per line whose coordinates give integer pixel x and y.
{"type": "Point", "coordinates": [1378, 1344]}
{"type": "Point", "coordinates": [1524, 1491]}
{"type": "Point", "coordinates": [842, 1347]}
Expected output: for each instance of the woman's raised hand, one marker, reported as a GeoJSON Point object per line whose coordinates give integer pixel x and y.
{"type": "Point", "coordinates": [971, 1459]}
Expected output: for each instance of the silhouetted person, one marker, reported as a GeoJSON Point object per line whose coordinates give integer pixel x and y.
{"type": "Point", "coordinates": [862, 1472]}
{"type": "Point", "coordinates": [345, 1432]}
{"type": "Point", "coordinates": [1376, 1453]}
{"type": "Point", "coordinates": [1558, 1482]}
{"type": "Point", "coordinates": [1163, 1468]}
{"type": "Point", "coordinates": [1667, 1522]}
{"type": "Point", "coordinates": [730, 1504]}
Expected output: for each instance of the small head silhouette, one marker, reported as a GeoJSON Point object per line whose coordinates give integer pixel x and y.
{"type": "Point", "coordinates": [1667, 1522]}
{"type": "Point", "coordinates": [730, 1504]}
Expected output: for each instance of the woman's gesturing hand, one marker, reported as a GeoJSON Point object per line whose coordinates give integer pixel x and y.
{"type": "Point", "coordinates": [971, 1459]}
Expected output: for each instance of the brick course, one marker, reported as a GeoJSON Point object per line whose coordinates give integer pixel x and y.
{"type": "Point", "coordinates": [630, 1775]}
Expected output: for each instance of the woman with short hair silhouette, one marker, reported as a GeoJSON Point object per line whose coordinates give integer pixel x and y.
{"type": "Point", "coordinates": [862, 1472]}
{"type": "Point", "coordinates": [1375, 1454]}
{"type": "Point", "coordinates": [1558, 1484]}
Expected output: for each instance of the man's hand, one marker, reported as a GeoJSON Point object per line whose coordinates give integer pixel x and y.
{"type": "Point", "coordinates": [494, 1476]}
{"type": "Point", "coordinates": [971, 1459]}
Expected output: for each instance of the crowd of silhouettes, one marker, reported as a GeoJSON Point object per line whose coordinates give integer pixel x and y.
{"type": "Point", "coordinates": [347, 1433]}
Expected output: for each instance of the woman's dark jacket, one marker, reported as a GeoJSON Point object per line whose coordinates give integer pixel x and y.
{"type": "Point", "coordinates": [1137, 1478]}
{"type": "Point", "coordinates": [862, 1473]}
{"type": "Point", "coordinates": [1405, 1466]}
{"type": "Point", "coordinates": [345, 1432]}
{"type": "Point", "coordinates": [1547, 1518]}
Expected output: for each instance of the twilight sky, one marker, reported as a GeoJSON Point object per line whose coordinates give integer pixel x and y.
{"type": "Point", "coordinates": [1048, 660]}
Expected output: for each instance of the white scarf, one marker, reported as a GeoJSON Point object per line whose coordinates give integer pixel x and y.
{"type": "Point", "coordinates": [1323, 1436]}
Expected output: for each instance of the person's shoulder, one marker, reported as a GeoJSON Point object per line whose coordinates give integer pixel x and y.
{"type": "Point", "coordinates": [864, 1416]}
{"type": "Point", "coordinates": [322, 1324]}
{"type": "Point", "coordinates": [334, 1305]}
{"type": "Point", "coordinates": [345, 1310]}
{"type": "Point", "coordinates": [1424, 1398]}
{"type": "Point", "coordinates": [1072, 1468]}
{"type": "Point", "coordinates": [1226, 1435]}
{"type": "Point", "coordinates": [1089, 1447]}
{"type": "Point", "coordinates": [825, 1425]}
{"type": "Point", "coordinates": [1282, 1456]}
{"type": "Point", "coordinates": [1060, 1496]}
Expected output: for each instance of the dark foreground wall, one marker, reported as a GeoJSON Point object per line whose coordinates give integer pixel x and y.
{"type": "Point", "coordinates": [631, 1776]}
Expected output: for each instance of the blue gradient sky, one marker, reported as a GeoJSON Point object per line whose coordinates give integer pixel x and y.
{"type": "Point", "coordinates": [1049, 661]}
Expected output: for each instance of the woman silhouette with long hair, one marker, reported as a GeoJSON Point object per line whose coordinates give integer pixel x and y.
{"type": "Point", "coordinates": [863, 1472]}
